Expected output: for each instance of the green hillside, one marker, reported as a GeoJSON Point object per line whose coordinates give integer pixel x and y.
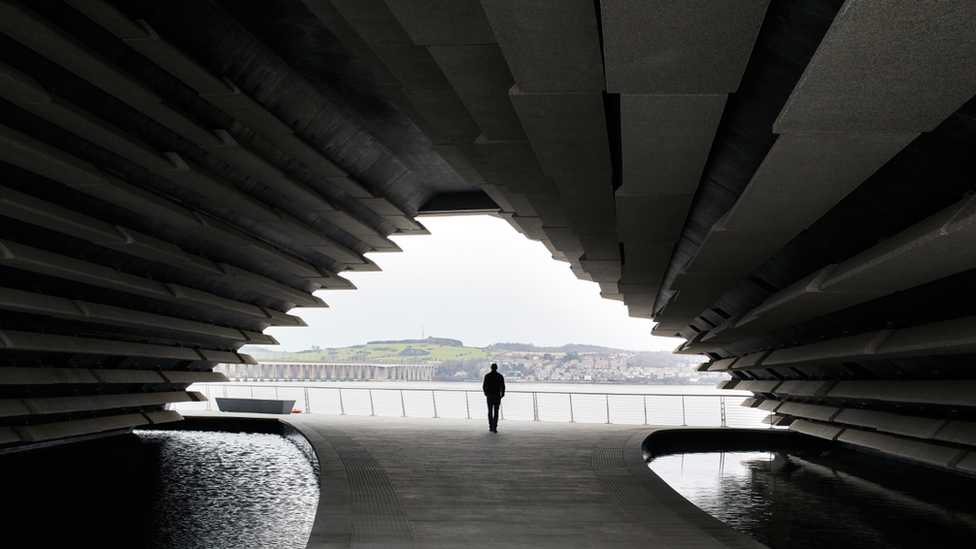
{"type": "Point", "coordinates": [412, 351]}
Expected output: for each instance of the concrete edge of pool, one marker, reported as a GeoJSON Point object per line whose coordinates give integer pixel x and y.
{"type": "Point", "coordinates": [667, 440]}
{"type": "Point", "coordinates": [402, 482]}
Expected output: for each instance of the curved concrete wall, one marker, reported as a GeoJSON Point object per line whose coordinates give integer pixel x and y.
{"type": "Point", "coordinates": [788, 187]}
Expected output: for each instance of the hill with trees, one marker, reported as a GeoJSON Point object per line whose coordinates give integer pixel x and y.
{"type": "Point", "coordinates": [432, 349]}
{"type": "Point", "coordinates": [518, 361]}
{"type": "Point", "coordinates": [570, 347]}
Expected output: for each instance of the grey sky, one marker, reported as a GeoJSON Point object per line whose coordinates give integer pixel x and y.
{"type": "Point", "coordinates": [475, 279]}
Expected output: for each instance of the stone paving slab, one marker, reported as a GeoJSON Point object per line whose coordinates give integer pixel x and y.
{"type": "Point", "coordinates": [450, 483]}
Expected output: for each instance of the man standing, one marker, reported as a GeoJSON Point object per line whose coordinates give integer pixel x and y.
{"type": "Point", "coordinates": [494, 388]}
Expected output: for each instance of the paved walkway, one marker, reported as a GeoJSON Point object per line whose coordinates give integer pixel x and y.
{"type": "Point", "coordinates": [445, 483]}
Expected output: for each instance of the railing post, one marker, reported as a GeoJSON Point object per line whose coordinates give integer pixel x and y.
{"type": "Point", "coordinates": [403, 403]}
{"type": "Point", "coordinates": [535, 406]}
{"type": "Point", "coordinates": [252, 391]}
{"type": "Point", "coordinates": [645, 409]}
{"type": "Point", "coordinates": [276, 392]}
{"type": "Point", "coordinates": [308, 403]}
{"type": "Point", "coordinates": [372, 409]}
{"type": "Point", "coordinates": [342, 407]}
{"type": "Point", "coordinates": [467, 404]}
{"type": "Point", "coordinates": [571, 418]}
{"type": "Point", "coordinates": [608, 407]}
{"type": "Point", "coordinates": [433, 399]}
{"type": "Point", "coordinates": [721, 407]}
{"type": "Point", "coordinates": [225, 391]}
{"type": "Point", "coordinates": [684, 422]}
{"type": "Point", "coordinates": [209, 398]}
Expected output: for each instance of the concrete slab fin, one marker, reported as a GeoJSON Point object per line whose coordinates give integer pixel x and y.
{"type": "Point", "coordinates": [827, 352]}
{"type": "Point", "coordinates": [674, 64]}
{"type": "Point", "coordinates": [948, 393]}
{"type": "Point", "coordinates": [804, 175]}
{"type": "Point", "coordinates": [803, 388]}
{"type": "Point", "coordinates": [948, 337]}
{"type": "Point", "coordinates": [924, 252]}
{"type": "Point", "coordinates": [939, 246]}
{"type": "Point", "coordinates": [958, 432]}
{"type": "Point", "coordinates": [819, 430]}
{"type": "Point", "coordinates": [666, 139]}
{"type": "Point", "coordinates": [943, 456]}
{"type": "Point", "coordinates": [443, 22]}
{"type": "Point", "coordinates": [568, 132]}
{"type": "Point", "coordinates": [877, 67]}
{"type": "Point", "coordinates": [918, 427]}
{"type": "Point", "coordinates": [809, 411]}
{"type": "Point", "coordinates": [412, 65]}
{"type": "Point", "coordinates": [691, 47]}
{"type": "Point", "coordinates": [562, 51]}
{"type": "Point", "coordinates": [857, 104]}
{"type": "Point", "coordinates": [82, 123]}
{"type": "Point", "coordinates": [482, 79]}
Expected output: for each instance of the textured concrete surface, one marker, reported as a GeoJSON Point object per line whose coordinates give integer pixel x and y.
{"type": "Point", "coordinates": [549, 46]}
{"type": "Point", "coordinates": [407, 482]}
{"type": "Point", "coordinates": [484, 91]}
{"type": "Point", "coordinates": [918, 77]}
{"type": "Point", "coordinates": [179, 175]}
{"type": "Point", "coordinates": [666, 139]}
{"type": "Point", "coordinates": [805, 175]}
{"type": "Point", "coordinates": [443, 22]}
{"type": "Point", "coordinates": [691, 47]}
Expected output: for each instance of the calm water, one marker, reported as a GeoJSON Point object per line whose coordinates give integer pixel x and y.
{"type": "Point", "coordinates": [842, 500]}
{"type": "Point", "coordinates": [162, 489]}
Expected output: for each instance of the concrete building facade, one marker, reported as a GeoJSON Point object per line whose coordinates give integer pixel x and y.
{"type": "Point", "coordinates": [786, 184]}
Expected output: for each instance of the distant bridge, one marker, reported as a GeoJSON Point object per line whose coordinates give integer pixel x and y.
{"type": "Point", "coordinates": [311, 370]}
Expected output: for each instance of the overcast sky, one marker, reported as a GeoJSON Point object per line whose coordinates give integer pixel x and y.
{"type": "Point", "coordinates": [476, 279]}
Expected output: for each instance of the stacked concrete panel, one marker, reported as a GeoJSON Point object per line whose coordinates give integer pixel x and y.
{"type": "Point", "coordinates": [856, 106]}
{"type": "Point", "coordinates": [786, 186]}
{"type": "Point", "coordinates": [673, 64]}
{"type": "Point", "coordinates": [158, 213]}
{"type": "Point", "coordinates": [866, 342]}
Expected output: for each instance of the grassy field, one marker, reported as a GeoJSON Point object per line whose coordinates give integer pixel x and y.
{"type": "Point", "coordinates": [385, 352]}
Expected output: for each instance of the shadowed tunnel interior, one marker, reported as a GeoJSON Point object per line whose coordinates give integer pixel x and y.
{"type": "Point", "coordinates": [786, 184]}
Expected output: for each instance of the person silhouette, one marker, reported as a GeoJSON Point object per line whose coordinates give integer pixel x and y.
{"type": "Point", "coordinates": [494, 388]}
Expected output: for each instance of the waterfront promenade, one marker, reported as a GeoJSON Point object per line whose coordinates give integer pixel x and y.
{"type": "Point", "coordinates": [450, 483]}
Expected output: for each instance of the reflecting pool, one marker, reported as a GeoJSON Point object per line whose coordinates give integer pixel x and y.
{"type": "Point", "coordinates": [837, 499]}
{"type": "Point", "coordinates": [231, 490]}
{"type": "Point", "coordinates": [161, 489]}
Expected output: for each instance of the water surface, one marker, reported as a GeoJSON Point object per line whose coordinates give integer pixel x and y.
{"type": "Point", "coordinates": [231, 490]}
{"type": "Point", "coordinates": [837, 500]}
{"type": "Point", "coordinates": [160, 489]}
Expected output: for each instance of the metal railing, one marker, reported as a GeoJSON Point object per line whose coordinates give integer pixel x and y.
{"type": "Point", "coordinates": [574, 407]}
